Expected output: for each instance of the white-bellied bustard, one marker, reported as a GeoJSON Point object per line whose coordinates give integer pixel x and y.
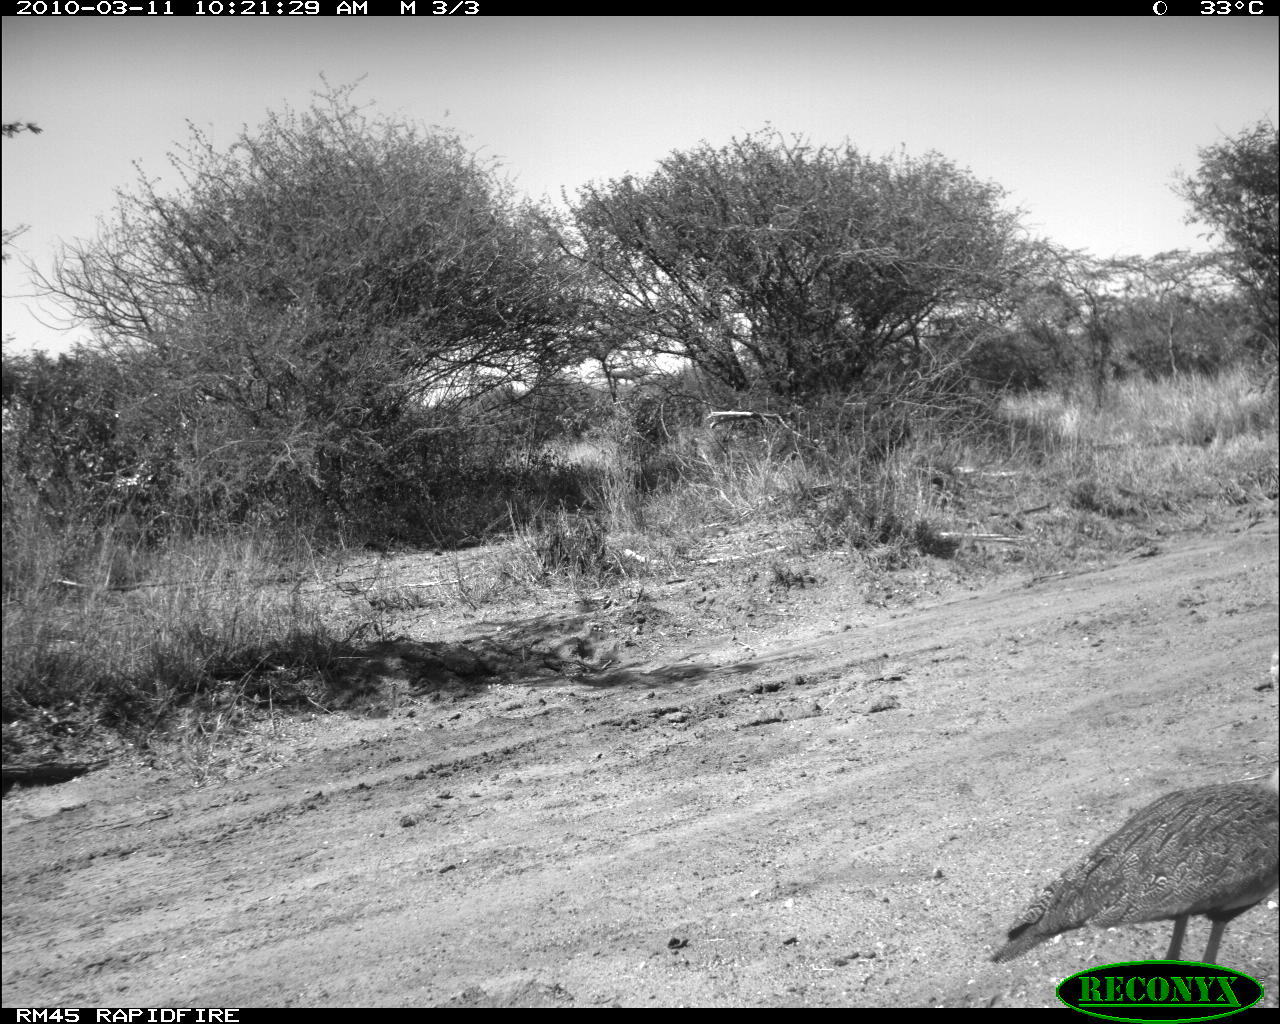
{"type": "Point", "coordinates": [1210, 850]}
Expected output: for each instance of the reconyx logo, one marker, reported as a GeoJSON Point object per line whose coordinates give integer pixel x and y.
{"type": "Point", "coordinates": [1166, 990]}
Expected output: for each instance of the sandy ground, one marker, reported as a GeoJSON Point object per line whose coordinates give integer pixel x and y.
{"type": "Point", "coordinates": [724, 792]}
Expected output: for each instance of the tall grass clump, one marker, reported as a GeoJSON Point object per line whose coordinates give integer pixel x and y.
{"type": "Point", "coordinates": [1188, 409]}
{"type": "Point", "coordinates": [1153, 456]}
{"type": "Point", "coordinates": [1154, 447]}
{"type": "Point", "coordinates": [879, 473]}
{"type": "Point", "coordinates": [110, 640]}
{"type": "Point", "coordinates": [850, 472]}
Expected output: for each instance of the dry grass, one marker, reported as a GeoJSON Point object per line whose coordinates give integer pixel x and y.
{"type": "Point", "coordinates": [1187, 410]}
{"type": "Point", "coordinates": [195, 632]}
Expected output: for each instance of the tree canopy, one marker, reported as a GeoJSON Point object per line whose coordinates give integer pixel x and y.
{"type": "Point", "coordinates": [317, 287]}
{"type": "Point", "coordinates": [8, 130]}
{"type": "Point", "coordinates": [1236, 192]}
{"type": "Point", "coordinates": [771, 263]}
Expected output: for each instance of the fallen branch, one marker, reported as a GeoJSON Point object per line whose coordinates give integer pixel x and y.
{"type": "Point", "coordinates": [730, 416]}
{"type": "Point", "coordinates": [738, 558]}
{"type": "Point", "coordinates": [994, 538]}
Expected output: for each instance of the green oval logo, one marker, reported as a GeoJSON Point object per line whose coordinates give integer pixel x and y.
{"type": "Point", "coordinates": [1165, 990]}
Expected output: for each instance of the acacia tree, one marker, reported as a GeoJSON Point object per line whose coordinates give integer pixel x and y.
{"type": "Point", "coordinates": [1177, 313]}
{"type": "Point", "coordinates": [800, 269]}
{"type": "Point", "coordinates": [319, 285]}
{"type": "Point", "coordinates": [1078, 321]}
{"type": "Point", "coordinates": [1236, 192]}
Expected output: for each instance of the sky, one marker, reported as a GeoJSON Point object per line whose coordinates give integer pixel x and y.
{"type": "Point", "coordinates": [1085, 121]}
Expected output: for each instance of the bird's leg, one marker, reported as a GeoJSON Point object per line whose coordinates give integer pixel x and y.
{"type": "Point", "coordinates": [1175, 944]}
{"type": "Point", "coordinates": [1215, 936]}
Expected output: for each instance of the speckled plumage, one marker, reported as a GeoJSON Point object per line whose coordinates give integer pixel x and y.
{"type": "Point", "coordinates": [1211, 850]}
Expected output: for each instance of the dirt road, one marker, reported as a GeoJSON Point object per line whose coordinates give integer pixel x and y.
{"type": "Point", "coordinates": [843, 807]}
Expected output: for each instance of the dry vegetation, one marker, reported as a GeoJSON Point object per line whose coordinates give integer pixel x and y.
{"type": "Point", "coordinates": [296, 370]}
{"type": "Point", "coordinates": [113, 643]}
